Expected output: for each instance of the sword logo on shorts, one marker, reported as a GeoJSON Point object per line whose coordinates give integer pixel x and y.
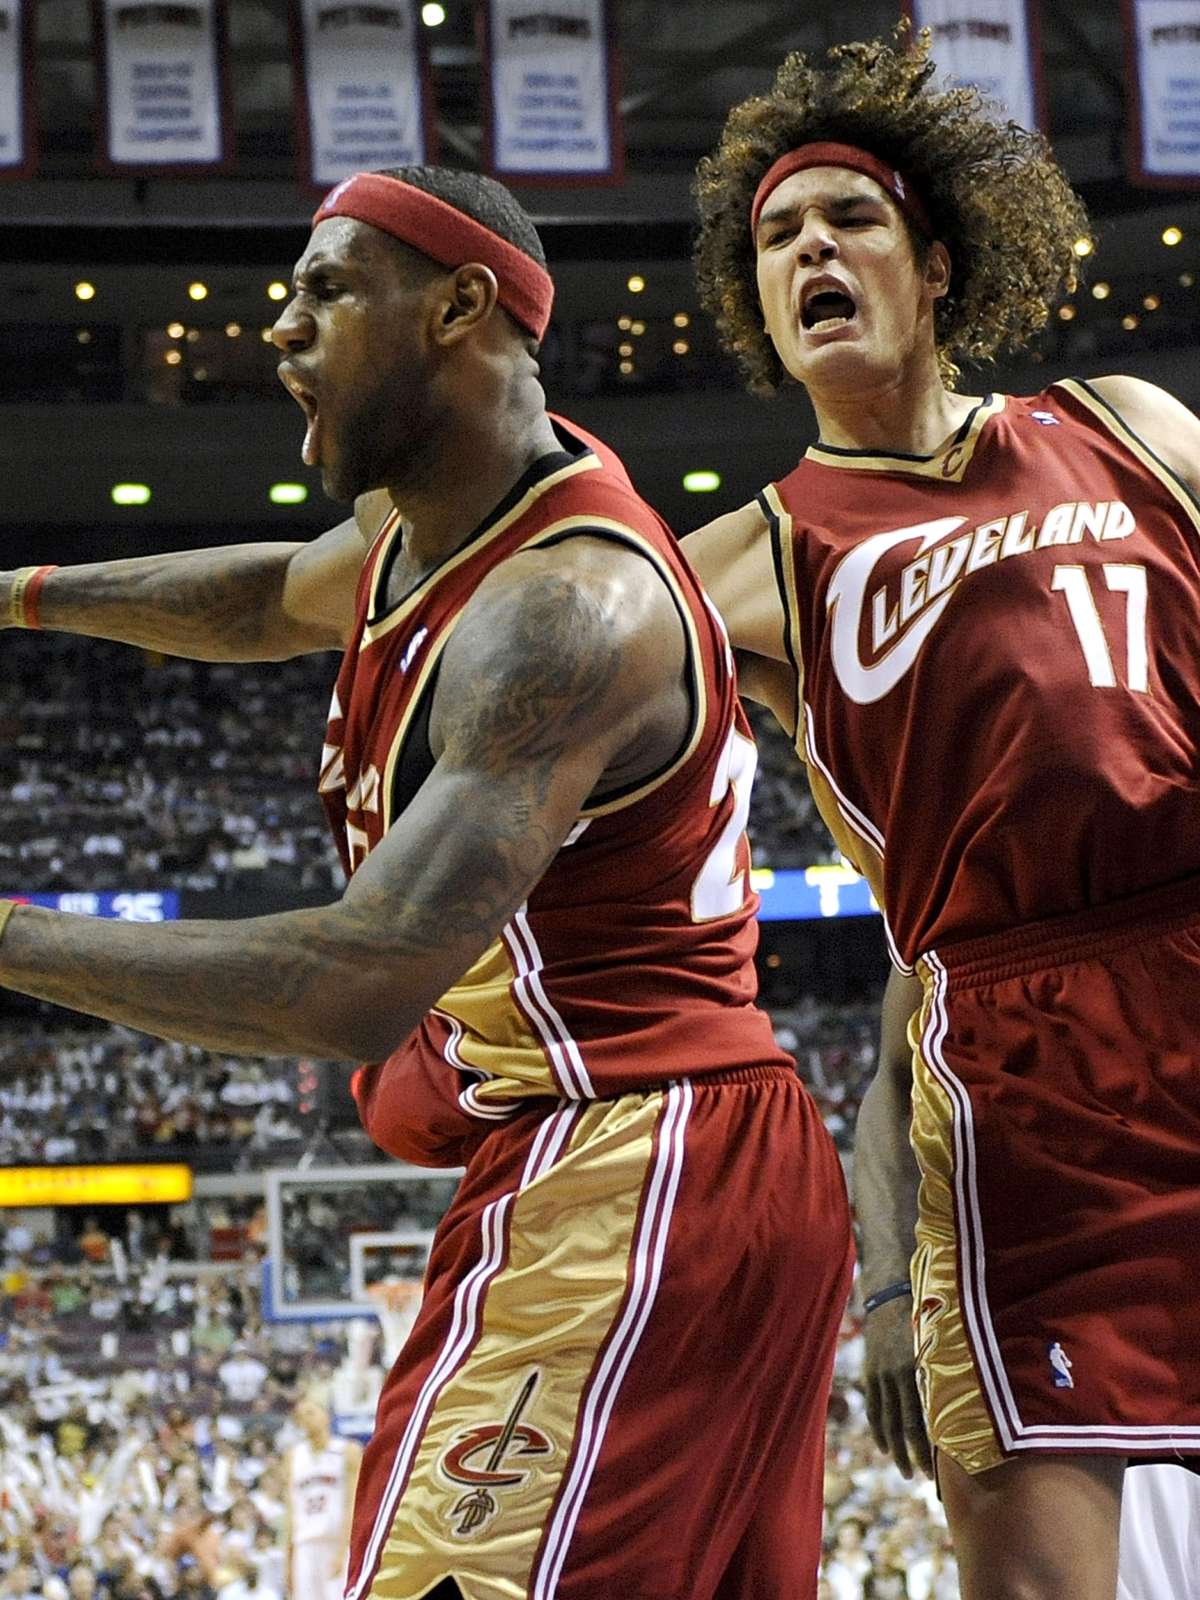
{"type": "Point", "coordinates": [485, 1458]}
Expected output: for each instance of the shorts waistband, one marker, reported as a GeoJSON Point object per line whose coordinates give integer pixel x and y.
{"type": "Point", "coordinates": [1078, 936]}
{"type": "Point", "coordinates": [761, 1074]}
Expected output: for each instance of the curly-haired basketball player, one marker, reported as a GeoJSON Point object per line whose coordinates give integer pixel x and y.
{"type": "Point", "coordinates": [980, 615]}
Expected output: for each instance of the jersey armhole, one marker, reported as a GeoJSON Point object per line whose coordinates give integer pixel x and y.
{"type": "Point", "coordinates": [783, 562]}
{"type": "Point", "coordinates": [1108, 415]}
{"type": "Point", "coordinates": [628, 794]}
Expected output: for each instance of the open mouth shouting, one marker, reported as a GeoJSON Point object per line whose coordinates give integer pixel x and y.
{"type": "Point", "coordinates": [306, 399]}
{"type": "Point", "coordinates": [826, 305]}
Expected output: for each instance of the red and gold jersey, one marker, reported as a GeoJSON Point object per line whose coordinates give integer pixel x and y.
{"type": "Point", "coordinates": [631, 963]}
{"type": "Point", "coordinates": [998, 657]}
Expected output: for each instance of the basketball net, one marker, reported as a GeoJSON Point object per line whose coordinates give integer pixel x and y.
{"type": "Point", "coordinates": [396, 1302]}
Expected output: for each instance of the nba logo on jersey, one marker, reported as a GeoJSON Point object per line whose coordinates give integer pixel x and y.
{"type": "Point", "coordinates": [1046, 418]}
{"type": "Point", "coordinates": [1060, 1365]}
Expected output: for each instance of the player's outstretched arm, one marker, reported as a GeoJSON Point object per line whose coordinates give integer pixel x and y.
{"type": "Point", "coordinates": [546, 681]}
{"type": "Point", "coordinates": [242, 602]}
{"type": "Point", "coordinates": [885, 1185]}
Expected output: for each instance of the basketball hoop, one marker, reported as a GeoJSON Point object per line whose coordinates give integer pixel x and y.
{"type": "Point", "coordinates": [395, 1302]}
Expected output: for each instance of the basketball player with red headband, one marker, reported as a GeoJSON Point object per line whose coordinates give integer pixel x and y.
{"type": "Point", "coordinates": [538, 776]}
{"type": "Point", "coordinates": [979, 615]}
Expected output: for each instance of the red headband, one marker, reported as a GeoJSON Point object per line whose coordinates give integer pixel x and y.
{"type": "Point", "coordinates": [843, 155]}
{"type": "Point", "coordinates": [448, 236]}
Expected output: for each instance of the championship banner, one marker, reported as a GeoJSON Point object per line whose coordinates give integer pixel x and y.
{"type": "Point", "coordinates": [990, 44]}
{"type": "Point", "coordinates": [550, 74]}
{"type": "Point", "coordinates": [365, 97]}
{"type": "Point", "coordinates": [16, 88]}
{"type": "Point", "coordinates": [163, 85]}
{"type": "Point", "coordinates": [1162, 42]}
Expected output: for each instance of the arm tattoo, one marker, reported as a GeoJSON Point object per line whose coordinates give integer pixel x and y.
{"type": "Point", "coordinates": [528, 700]}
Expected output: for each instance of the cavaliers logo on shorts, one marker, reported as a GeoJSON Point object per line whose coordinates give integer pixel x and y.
{"type": "Point", "coordinates": [487, 1458]}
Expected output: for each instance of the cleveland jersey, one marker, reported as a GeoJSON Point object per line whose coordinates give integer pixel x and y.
{"type": "Point", "coordinates": [631, 962]}
{"type": "Point", "coordinates": [997, 652]}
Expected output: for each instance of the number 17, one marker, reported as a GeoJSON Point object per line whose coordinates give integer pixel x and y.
{"type": "Point", "coordinates": [1072, 582]}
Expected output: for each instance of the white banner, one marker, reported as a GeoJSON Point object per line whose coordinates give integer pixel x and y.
{"type": "Point", "coordinates": [991, 44]}
{"type": "Point", "coordinates": [16, 85]}
{"type": "Point", "coordinates": [1163, 42]}
{"type": "Point", "coordinates": [364, 94]}
{"type": "Point", "coordinates": [163, 83]}
{"type": "Point", "coordinates": [549, 68]}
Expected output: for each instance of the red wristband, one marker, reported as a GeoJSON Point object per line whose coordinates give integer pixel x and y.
{"type": "Point", "coordinates": [29, 600]}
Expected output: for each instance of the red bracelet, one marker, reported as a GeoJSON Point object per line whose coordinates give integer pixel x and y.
{"type": "Point", "coordinates": [29, 600]}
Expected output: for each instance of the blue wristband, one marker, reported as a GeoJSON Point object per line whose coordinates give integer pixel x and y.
{"type": "Point", "coordinates": [882, 1296]}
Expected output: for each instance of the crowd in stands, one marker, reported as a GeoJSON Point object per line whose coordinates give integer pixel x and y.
{"type": "Point", "coordinates": [150, 1467]}
{"type": "Point", "coordinates": [125, 770]}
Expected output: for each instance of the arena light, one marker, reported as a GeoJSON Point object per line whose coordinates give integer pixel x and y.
{"type": "Point", "coordinates": [1187, 279]}
{"type": "Point", "coordinates": [1066, 313]}
{"type": "Point", "coordinates": [433, 15]}
{"type": "Point", "coordinates": [1129, 323]}
{"type": "Point", "coordinates": [130, 494]}
{"type": "Point", "coordinates": [681, 319]}
{"type": "Point", "coordinates": [1083, 246]}
{"type": "Point", "coordinates": [1101, 291]}
{"type": "Point", "coordinates": [277, 290]}
{"type": "Point", "coordinates": [701, 481]}
{"type": "Point", "coordinates": [625, 351]}
{"type": "Point", "coordinates": [1172, 235]}
{"type": "Point", "coordinates": [84, 336]}
{"type": "Point", "coordinates": [175, 330]}
{"type": "Point", "coordinates": [267, 334]}
{"type": "Point", "coordinates": [636, 283]}
{"type": "Point", "coordinates": [85, 291]}
{"type": "Point", "coordinates": [197, 291]}
{"type": "Point", "coordinates": [637, 329]}
{"type": "Point", "coordinates": [287, 494]}
{"type": "Point", "coordinates": [625, 368]}
{"type": "Point", "coordinates": [681, 347]}
{"type": "Point", "coordinates": [173, 358]}
{"type": "Point", "coordinates": [1151, 302]}
{"type": "Point", "coordinates": [233, 329]}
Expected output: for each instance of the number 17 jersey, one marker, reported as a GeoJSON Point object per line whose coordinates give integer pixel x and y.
{"type": "Point", "coordinates": [631, 962]}
{"type": "Point", "coordinates": [997, 652]}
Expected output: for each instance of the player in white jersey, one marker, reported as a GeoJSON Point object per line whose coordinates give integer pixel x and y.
{"type": "Point", "coordinates": [322, 1471]}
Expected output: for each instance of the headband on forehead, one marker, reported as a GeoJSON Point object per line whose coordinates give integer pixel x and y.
{"type": "Point", "coordinates": [856, 160]}
{"type": "Point", "coordinates": [445, 234]}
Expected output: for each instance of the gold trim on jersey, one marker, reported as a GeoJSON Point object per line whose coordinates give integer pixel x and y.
{"type": "Point", "coordinates": [946, 465]}
{"type": "Point", "coordinates": [952, 1398]}
{"type": "Point", "coordinates": [1115, 424]}
{"type": "Point", "coordinates": [546, 1315]}
{"type": "Point", "coordinates": [405, 608]}
{"type": "Point", "coordinates": [865, 856]}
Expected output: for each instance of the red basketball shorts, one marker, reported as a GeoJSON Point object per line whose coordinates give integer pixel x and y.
{"type": "Point", "coordinates": [617, 1383]}
{"type": "Point", "coordinates": [1056, 1119]}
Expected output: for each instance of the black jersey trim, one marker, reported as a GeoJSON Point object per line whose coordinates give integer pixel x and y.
{"type": "Point", "coordinates": [415, 759]}
{"type": "Point", "coordinates": [903, 455]}
{"type": "Point", "coordinates": [610, 796]}
{"type": "Point", "coordinates": [544, 467]}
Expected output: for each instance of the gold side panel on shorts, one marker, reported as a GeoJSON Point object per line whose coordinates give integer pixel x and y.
{"type": "Point", "coordinates": [946, 465]}
{"type": "Point", "coordinates": [544, 1318]}
{"type": "Point", "coordinates": [497, 1038]}
{"type": "Point", "coordinates": [955, 1411]}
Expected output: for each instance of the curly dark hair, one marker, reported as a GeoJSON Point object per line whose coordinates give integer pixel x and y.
{"type": "Point", "coordinates": [996, 198]}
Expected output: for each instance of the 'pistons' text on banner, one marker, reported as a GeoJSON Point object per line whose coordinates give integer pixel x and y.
{"type": "Point", "coordinates": [550, 74]}
{"type": "Point", "coordinates": [163, 72]}
{"type": "Point", "coordinates": [365, 97]}
{"type": "Point", "coordinates": [1162, 39]}
{"type": "Point", "coordinates": [992, 44]}
{"type": "Point", "coordinates": [16, 88]}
